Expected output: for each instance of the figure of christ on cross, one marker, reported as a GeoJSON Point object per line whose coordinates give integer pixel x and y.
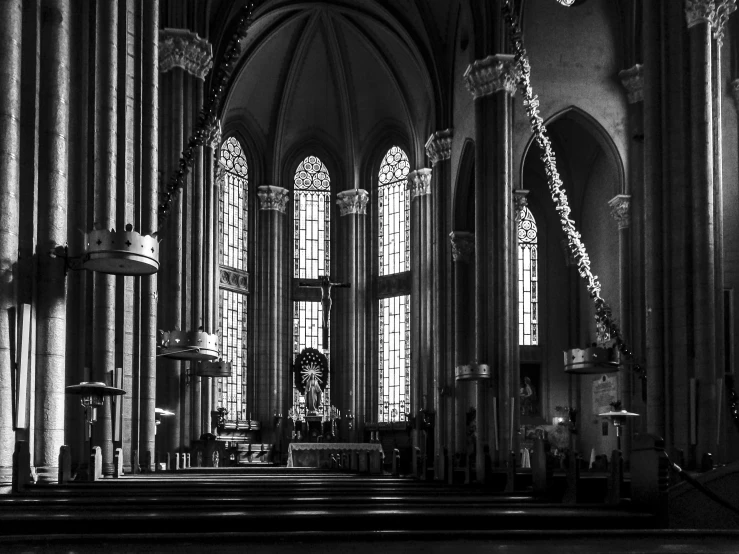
{"type": "Point", "coordinates": [325, 284]}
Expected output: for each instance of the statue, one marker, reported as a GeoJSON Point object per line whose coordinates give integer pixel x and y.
{"type": "Point", "coordinates": [313, 392]}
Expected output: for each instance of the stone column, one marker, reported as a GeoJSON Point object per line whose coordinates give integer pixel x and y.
{"type": "Point", "coordinates": [210, 301]}
{"type": "Point", "coordinates": [723, 9]}
{"type": "Point", "coordinates": [52, 231]}
{"type": "Point", "coordinates": [271, 356]}
{"type": "Point", "coordinates": [106, 159]}
{"type": "Point", "coordinates": [653, 256]}
{"type": "Point", "coordinates": [184, 59]}
{"type": "Point", "coordinates": [463, 256]}
{"type": "Point", "coordinates": [632, 299]}
{"type": "Point", "coordinates": [197, 250]}
{"type": "Point", "coordinates": [419, 185]}
{"type": "Point", "coordinates": [621, 212]}
{"type": "Point", "coordinates": [438, 150]}
{"type": "Point", "coordinates": [10, 99]}
{"type": "Point", "coordinates": [699, 15]}
{"type": "Point", "coordinates": [149, 224]}
{"type": "Point", "coordinates": [350, 371]}
{"type": "Point", "coordinates": [492, 82]}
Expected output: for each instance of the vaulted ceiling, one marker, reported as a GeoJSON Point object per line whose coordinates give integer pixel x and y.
{"type": "Point", "coordinates": [337, 73]}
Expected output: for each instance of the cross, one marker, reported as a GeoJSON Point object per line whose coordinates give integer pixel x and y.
{"type": "Point", "coordinates": [325, 285]}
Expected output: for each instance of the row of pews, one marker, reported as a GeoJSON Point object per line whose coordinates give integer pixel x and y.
{"type": "Point", "coordinates": [267, 508]}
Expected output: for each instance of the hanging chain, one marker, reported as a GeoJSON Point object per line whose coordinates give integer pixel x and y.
{"type": "Point", "coordinates": [603, 313]}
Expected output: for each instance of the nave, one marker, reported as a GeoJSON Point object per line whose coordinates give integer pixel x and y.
{"type": "Point", "coordinates": [259, 509]}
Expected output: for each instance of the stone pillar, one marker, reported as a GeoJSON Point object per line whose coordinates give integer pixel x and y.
{"type": "Point", "coordinates": [632, 293]}
{"type": "Point", "coordinates": [463, 256]}
{"type": "Point", "coordinates": [350, 369]}
{"type": "Point", "coordinates": [699, 16]}
{"type": "Point", "coordinates": [106, 160]}
{"type": "Point", "coordinates": [197, 250]}
{"type": "Point", "coordinates": [184, 59]}
{"type": "Point", "coordinates": [419, 185]}
{"type": "Point", "coordinates": [271, 356]}
{"type": "Point", "coordinates": [653, 258]}
{"type": "Point", "coordinates": [210, 301]}
{"type": "Point", "coordinates": [723, 10]}
{"type": "Point", "coordinates": [438, 150]}
{"type": "Point", "coordinates": [149, 224]}
{"type": "Point", "coordinates": [492, 82]}
{"type": "Point", "coordinates": [10, 99]}
{"type": "Point", "coordinates": [621, 212]}
{"type": "Point", "coordinates": [52, 231]}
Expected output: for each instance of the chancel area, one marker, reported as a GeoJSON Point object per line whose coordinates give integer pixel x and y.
{"type": "Point", "coordinates": [440, 269]}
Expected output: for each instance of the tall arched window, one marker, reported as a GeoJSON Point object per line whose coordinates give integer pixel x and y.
{"type": "Point", "coordinates": [394, 302]}
{"type": "Point", "coordinates": [312, 259]}
{"type": "Point", "coordinates": [233, 220]}
{"type": "Point", "coordinates": [528, 276]}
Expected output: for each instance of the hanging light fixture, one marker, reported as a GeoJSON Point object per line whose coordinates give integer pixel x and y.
{"type": "Point", "coordinates": [214, 368]}
{"type": "Point", "coordinates": [125, 252]}
{"type": "Point", "coordinates": [188, 345]}
{"type": "Point", "coordinates": [472, 372]}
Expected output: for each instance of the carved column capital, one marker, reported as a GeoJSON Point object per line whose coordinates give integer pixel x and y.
{"type": "Point", "coordinates": [714, 12]}
{"type": "Point", "coordinates": [724, 8]}
{"type": "Point", "coordinates": [633, 81]}
{"type": "Point", "coordinates": [520, 201]}
{"type": "Point", "coordinates": [272, 198]}
{"type": "Point", "coordinates": [699, 11]}
{"type": "Point", "coordinates": [184, 49]}
{"type": "Point", "coordinates": [419, 182]}
{"type": "Point", "coordinates": [621, 210]}
{"type": "Point", "coordinates": [439, 146]}
{"type": "Point", "coordinates": [352, 202]}
{"type": "Point", "coordinates": [492, 74]}
{"type": "Point", "coordinates": [463, 246]}
{"type": "Point", "coordinates": [213, 136]}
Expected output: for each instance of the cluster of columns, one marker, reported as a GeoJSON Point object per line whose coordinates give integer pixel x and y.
{"type": "Point", "coordinates": [99, 88]}
{"type": "Point", "coordinates": [189, 238]}
{"type": "Point", "coordinates": [489, 253]}
{"type": "Point", "coordinates": [683, 271]}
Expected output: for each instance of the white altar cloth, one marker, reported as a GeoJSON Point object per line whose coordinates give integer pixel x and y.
{"type": "Point", "coordinates": [318, 454]}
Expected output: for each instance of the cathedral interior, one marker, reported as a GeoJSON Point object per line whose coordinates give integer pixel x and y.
{"type": "Point", "coordinates": [474, 257]}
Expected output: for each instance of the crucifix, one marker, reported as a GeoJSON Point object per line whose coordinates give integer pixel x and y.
{"type": "Point", "coordinates": [325, 284]}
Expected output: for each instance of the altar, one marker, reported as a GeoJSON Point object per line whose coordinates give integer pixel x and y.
{"type": "Point", "coordinates": [366, 455]}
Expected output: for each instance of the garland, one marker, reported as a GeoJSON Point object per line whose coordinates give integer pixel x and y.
{"type": "Point", "coordinates": [207, 117]}
{"type": "Point", "coordinates": [603, 313]}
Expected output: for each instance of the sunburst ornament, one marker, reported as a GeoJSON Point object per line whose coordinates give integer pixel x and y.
{"type": "Point", "coordinates": [309, 364]}
{"type": "Point", "coordinates": [311, 372]}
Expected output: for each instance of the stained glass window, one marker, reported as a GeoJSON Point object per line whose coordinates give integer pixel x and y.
{"type": "Point", "coordinates": [393, 210]}
{"type": "Point", "coordinates": [233, 349]}
{"type": "Point", "coordinates": [233, 222]}
{"type": "Point", "coordinates": [394, 213]}
{"type": "Point", "coordinates": [234, 210]}
{"type": "Point", "coordinates": [312, 259]}
{"type": "Point", "coordinates": [312, 219]}
{"type": "Point", "coordinates": [528, 294]}
{"type": "Point", "coordinates": [394, 376]}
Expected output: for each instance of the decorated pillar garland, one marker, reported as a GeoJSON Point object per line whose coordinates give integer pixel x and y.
{"type": "Point", "coordinates": [208, 115]}
{"type": "Point", "coordinates": [603, 313]}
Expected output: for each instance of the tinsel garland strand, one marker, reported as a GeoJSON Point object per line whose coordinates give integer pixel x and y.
{"type": "Point", "coordinates": [208, 114]}
{"type": "Point", "coordinates": [603, 313]}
